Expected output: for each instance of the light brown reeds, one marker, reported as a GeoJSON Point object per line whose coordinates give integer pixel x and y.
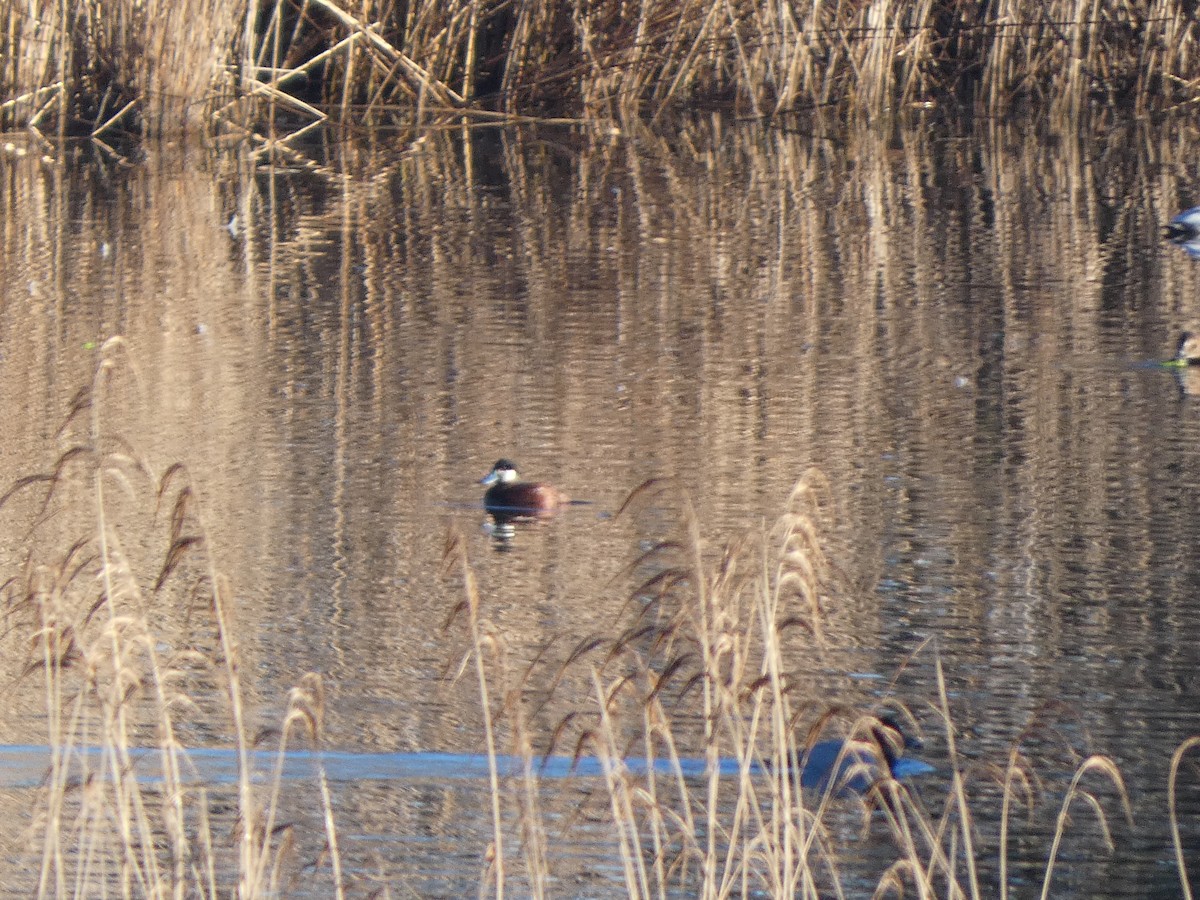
{"type": "Point", "coordinates": [700, 662]}
{"type": "Point", "coordinates": [154, 67]}
{"type": "Point", "coordinates": [481, 643]}
{"type": "Point", "coordinates": [123, 810]}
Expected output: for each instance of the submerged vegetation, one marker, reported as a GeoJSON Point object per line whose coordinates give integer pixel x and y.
{"type": "Point", "coordinates": [87, 67]}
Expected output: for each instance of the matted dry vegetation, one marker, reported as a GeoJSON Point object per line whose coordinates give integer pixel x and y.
{"type": "Point", "coordinates": [86, 66]}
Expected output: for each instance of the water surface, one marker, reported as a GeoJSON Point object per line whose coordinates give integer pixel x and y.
{"type": "Point", "coordinates": [950, 326]}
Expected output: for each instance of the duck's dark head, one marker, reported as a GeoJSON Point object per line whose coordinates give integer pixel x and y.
{"type": "Point", "coordinates": [892, 738]}
{"type": "Point", "coordinates": [503, 472]}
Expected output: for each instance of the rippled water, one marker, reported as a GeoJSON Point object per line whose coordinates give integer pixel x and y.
{"type": "Point", "coordinates": [951, 326]}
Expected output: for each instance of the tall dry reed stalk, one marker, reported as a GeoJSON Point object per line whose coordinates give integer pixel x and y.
{"type": "Point", "coordinates": [115, 640]}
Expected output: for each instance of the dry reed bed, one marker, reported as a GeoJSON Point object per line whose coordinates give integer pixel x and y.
{"type": "Point", "coordinates": [114, 616]}
{"type": "Point", "coordinates": [697, 666]}
{"type": "Point", "coordinates": [164, 67]}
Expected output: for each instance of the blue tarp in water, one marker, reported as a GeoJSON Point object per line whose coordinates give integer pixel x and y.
{"type": "Point", "coordinates": [27, 766]}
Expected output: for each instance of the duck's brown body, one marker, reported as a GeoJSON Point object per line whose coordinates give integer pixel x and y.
{"type": "Point", "coordinates": [507, 495]}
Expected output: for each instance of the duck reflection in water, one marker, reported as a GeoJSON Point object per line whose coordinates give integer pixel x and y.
{"type": "Point", "coordinates": [1184, 230]}
{"type": "Point", "coordinates": [851, 766]}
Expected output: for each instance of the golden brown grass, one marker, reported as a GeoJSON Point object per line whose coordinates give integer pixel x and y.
{"type": "Point", "coordinates": [279, 67]}
{"type": "Point", "coordinates": [698, 668]}
{"type": "Point", "coordinates": [116, 627]}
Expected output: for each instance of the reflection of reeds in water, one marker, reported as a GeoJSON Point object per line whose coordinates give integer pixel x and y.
{"type": "Point", "coordinates": [698, 667]}
{"type": "Point", "coordinates": [713, 276]}
{"type": "Point", "coordinates": [118, 626]}
{"type": "Point", "coordinates": [724, 269]}
{"type": "Point", "coordinates": [169, 62]}
{"type": "Point", "coordinates": [193, 335]}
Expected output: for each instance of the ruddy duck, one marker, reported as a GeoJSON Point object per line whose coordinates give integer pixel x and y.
{"type": "Point", "coordinates": [1184, 230]}
{"type": "Point", "coordinates": [508, 496]}
{"type": "Point", "coordinates": [1187, 351]}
